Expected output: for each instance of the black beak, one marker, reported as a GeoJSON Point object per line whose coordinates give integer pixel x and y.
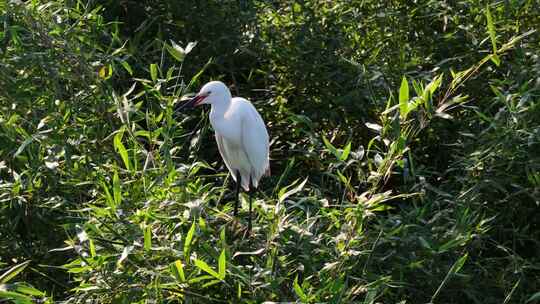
{"type": "Point", "coordinates": [190, 103]}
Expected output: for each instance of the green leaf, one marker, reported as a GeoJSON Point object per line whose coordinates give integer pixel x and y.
{"type": "Point", "coordinates": [187, 241]}
{"type": "Point", "coordinates": [105, 72]}
{"type": "Point", "coordinates": [493, 37]}
{"type": "Point", "coordinates": [17, 297]}
{"type": "Point", "coordinates": [491, 30]}
{"type": "Point", "coordinates": [117, 191]}
{"type": "Point", "coordinates": [346, 152]}
{"type": "Point", "coordinates": [284, 195]}
{"type": "Point", "coordinates": [148, 237]}
{"type": "Point", "coordinates": [176, 51]}
{"type": "Point", "coordinates": [203, 266]}
{"type": "Point", "coordinates": [341, 155]}
{"type": "Point", "coordinates": [222, 264]}
{"type": "Point", "coordinates": [297, 8]}
{"type": "Point", "coordinates": [208, 284]}
{"type": "Point", "coordinates": [153, 72]}
{"type": "Point", "coordinates": [21, 148]}
{"type": "Point", "coordinates": [121, 149]}
{"type": "Point", "coordinates": [179, 267]}
{"type": "Point", "coordinates": [109, 200]}
{"type": "Point", "coordinates": [25, 289]}
{"type": "Point", "coordinates": [13, 271]}
{"type": "Point", "coordinates": [102, 72]}
{"type": "Point", "coordinates": [92, 248]}
{"type": "Point", "coordinates": [200, 279]}
{"type": "Point", "coordinates": [404, 98]}
{"type": "Point", "coordinates": [330, 147]}
{"type": "Point", "coordinates": [127, 67]}
{"type": "Point", "coordinates": [299, 291]}
{"type": "Point", "coordinates": [459, 264]}
{"type": "Point", "coordinates": [495, 59]}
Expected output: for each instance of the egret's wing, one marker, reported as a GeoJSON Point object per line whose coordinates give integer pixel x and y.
{"type": "Point", "coordinates": [224, 154]}
{"type": "Point", "coordinates": [255, 143]}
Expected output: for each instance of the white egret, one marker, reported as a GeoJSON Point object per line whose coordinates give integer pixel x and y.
{"type": "Point", "coordinates": [241, 136]}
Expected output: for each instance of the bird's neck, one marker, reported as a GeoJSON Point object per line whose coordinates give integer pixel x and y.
{"type": "Point", "coordinates": [219, 108]}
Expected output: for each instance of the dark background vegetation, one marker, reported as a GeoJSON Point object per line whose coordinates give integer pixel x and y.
{"type": "Point", "coordinates": [383, 190]}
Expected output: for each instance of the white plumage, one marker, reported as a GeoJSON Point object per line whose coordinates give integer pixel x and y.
{"type": "Point", "coordinates": [240, 132]}
{"type": "Point", "coordinates": [242, 140]}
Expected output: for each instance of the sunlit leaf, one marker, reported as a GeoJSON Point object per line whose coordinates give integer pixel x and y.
{"type": "Point", "coordinates": [24, 289]}
{"type": "Point", "coordinates": [187, 241]}
{"type": "Point", "coordinates": [222, 264]}
{"type": "Point", "coordinates": [179, 268]}
{"type": "Point", "coordinates": [491, 30]}
{"type": "Point", "coordinates": [176, 51]}
{"type": "Point", "coordinates": [374, 126]}
{"type": "Point", "coordinates": [345, 153]}
{"type": "Point", "coordinates": [13, 271]}
{"type": "Point", "coordinates": [404, 98]}
{"type": "Point", "coordinates": [125, 253]}
{"type": "Point", "coordinates": [153, 72]}
{"type": "Point", "coordinates": [299, 291]}
{"type": "Point", "coordinates": [121, 149]}
{"type": "Point", "coordinates": [284, 195]}
{"type": "Point", "coordinates": [17, 297]}
{"type": "Point", "coordinates": [148, 237]}
{"type": "Point", "coordinates": [190, 47]}
{"type": "Point", "coordinates": [203, 266]}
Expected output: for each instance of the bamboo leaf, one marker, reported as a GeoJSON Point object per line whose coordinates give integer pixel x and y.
{"type": "Point", "coordinates": [187, 241]}
{"type": "Point", "coordinates": [179, 271]}
{"type": "Point", "coordinates": [206, 268]}
{"type": "Point", "coordinates": [21, 148]}
{"type": "Point", "coordinates": [176, 51]}
{"type": "Point", "coordinates": [117, 191]}
{"type": "Point", "coordinates": [330, 147]}
{"type": "Point", "coordinates": [299, 291]}
{"type": "Point", "coordinates": [127, 67]}
{"type": "Point", "coordinates": [153, 72]}
{"type": "Point", "coordinates": [121, 149]}
{"type": "Point", "coordinates": [346, 152]}
{"type": "Point", "coordinates": [492, 36]}
{"type": "Point", "coordinates": [491, 29]}
{"type": "Point", "coordinates": [147, 237]}
{"type": "Point", "coordinates": [404, 98]}
{"type": "Point", "coordinates": [13, 271]}
{"type": "Point", "coordinates": [222, 264]}
{"type": "Point", "coordinates": [109, 200]}
{"type": "Point", "coordinates": [17, 297]}
{"type": "Point", "coordinates": [284, 195]}
{"type": "Point", "coordinates": [25, 288]}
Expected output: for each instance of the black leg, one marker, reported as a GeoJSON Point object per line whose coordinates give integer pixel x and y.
{"type": "Point", "coordinates": [238, 182]}
{"type": "Point", "coordinates": [251, 189]}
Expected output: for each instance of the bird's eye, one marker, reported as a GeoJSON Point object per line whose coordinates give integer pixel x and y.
{"type": "Point", "coordinates": [209, 92]}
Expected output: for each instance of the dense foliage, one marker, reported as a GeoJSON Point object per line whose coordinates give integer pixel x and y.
{"type": "Point", "coordinates": [405, 152]}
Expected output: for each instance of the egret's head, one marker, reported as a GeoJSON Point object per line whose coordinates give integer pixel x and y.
{"type": "Point", "coordinates": [213, 92]}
